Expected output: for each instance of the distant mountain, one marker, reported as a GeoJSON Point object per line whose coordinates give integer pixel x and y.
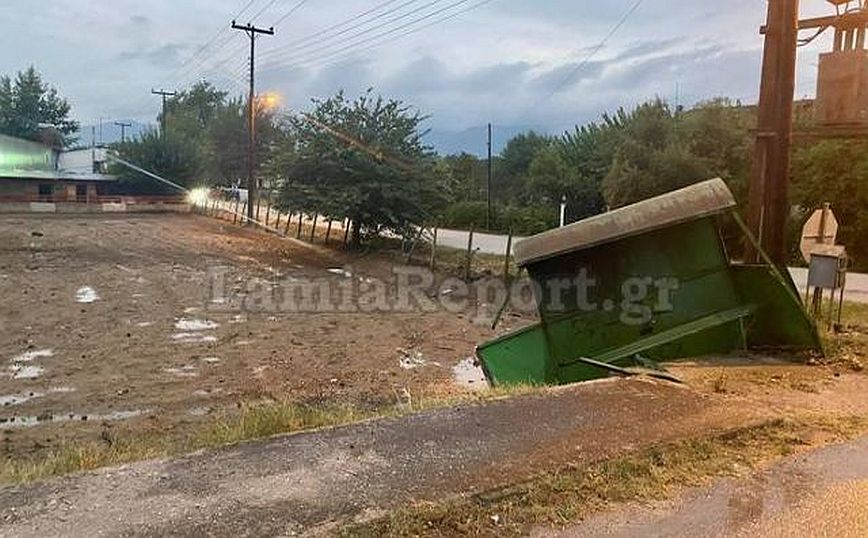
{"type": "Point", "coordinates": [109, 133]}
{"type": "Point", "coordinates": [474, 139]}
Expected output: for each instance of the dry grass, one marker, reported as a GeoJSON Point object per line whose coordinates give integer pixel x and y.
{"type": "Point", "coordinates": [571, 493]}
{"type": "Point", "coordinates": [848, 346]}
{"type": "Point", "coordinates": [250, 422]}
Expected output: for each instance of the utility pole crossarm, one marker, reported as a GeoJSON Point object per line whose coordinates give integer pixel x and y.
{"type": "Point", "coordinates": [123, 126]}
{"type": "Point", "coordinates": [164, 94]}
{"type": "Point", "coordinates": [853, 19]}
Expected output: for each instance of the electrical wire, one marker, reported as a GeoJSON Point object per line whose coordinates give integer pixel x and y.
{"type": "Point", "coordinates": [356, 17]}
{"type": "Point", "coordinates": [593, 52]}
{"type": "Point", "coordinates": [312, 57]}
{"type": "Point", "coordinates": [292, 10]}
{"type": "Point", "coordinates": [339, 58]}
{"type": "Point", "coordinates": [312, 41]}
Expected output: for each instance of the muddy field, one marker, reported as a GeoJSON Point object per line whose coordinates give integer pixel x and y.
{"type": "Point", "coordinates": [115, 323]}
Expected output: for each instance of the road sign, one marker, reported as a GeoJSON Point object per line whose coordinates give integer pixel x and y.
{"type": "Point", "coordinates": [821, 229]}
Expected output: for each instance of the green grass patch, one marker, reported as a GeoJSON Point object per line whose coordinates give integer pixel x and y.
{"type": "Point", "coordinates": [558, 498]}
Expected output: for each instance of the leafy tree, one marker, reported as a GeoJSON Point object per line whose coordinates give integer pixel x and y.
{"type": "Point", "coordinates": [172, 157]}
{"type": "Point", "coordinates": [511, 170]}
{"type": "Point", "coordinates": [835, 172]}
{"type": "Point", "coordinates": [31, 109]}
{"type": "Point", "coordinates": [469, 174]}
{"type": "Point", "coordinates": [363, 159]}
{"type": "Point", "coordinates": [719, 131]}
{"type": "Point", "coordinates": [651, 159]}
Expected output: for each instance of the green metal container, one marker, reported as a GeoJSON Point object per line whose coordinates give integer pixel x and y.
{"type": "Point", "coordinates": [650, 280]}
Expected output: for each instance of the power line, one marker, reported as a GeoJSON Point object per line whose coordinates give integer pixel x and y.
{"type": "Point", "coordinates": [593, 52]}
{"type": "Point", "coordinates": [338, 25]}
{"type": "Point", "coordinates": [322, 35]}
{"type": "Point", "coordinates": [330, 59]}
{"type": "Point", "coordinates": [329, 42]}
{"type": "Point", "coordinates": [261, 11]}
{"type": "Point", "coordinates": [311, 57]}
{"type": "Point", "coordinates": [292, 10]}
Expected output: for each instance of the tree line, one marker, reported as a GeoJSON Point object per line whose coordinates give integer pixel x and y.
{"type": "Point", "coordinates": [364, 158]}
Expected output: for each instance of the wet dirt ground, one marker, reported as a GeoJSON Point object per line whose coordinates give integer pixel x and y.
{"type": "Point", "coordinates": [108, 322]}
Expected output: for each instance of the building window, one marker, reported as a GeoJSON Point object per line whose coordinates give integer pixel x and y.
{"type": "Point", "coordinates": [46, 192]}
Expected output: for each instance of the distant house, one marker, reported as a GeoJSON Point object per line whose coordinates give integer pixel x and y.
{"type": "Point", "coordinates": [34, 172]}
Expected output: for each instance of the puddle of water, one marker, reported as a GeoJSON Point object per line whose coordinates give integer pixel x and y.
{"type": "Point", "coordinates": [199, 411]}
{"type": "Point", "coordinates": [144, 324]}
{"type": "Point", "coordinates": [86, 294]}
{"type": "Point", "coordinates": [211, 360]}
{"type": "Point", "coordinates": [469, 374]}
{"type": "Point", "coordinates": [28, 356]}
{"type": "Point", "coordinates": [36, 420]}
{"type": "Point", "coordinates": [411, 360]}
{"type": "Point", "coordinates": [188, 370]}
{"type": "Point", "coordinates": [26, 371]}
{"type": "Point", "coordinates": [193, 338]}
{"type": "Point", "coordinates": [204, 393]}
{"type": "Point", "coordinates": [18, 399]}
{"type": "Point", "coordinates": [194, 324]}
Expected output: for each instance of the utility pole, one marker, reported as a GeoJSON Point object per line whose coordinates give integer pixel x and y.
{"type": "Point", "coordinates": [252, 188]}
{"type": "Point", "coordinates": [123, 127]}
{"type": "Point", "coordinates": [488, 183]}
{"type": "Point", "coordinates": [164, 94]}
{"type": "Point", "coordinates": [768, 209]}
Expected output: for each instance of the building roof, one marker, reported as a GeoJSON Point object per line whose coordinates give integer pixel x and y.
{"type": "Point", "coordinates": [687, 204]}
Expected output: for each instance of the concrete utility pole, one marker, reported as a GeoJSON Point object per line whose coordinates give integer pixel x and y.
{"type": "Point", "coordinates": [123, 127]}
{"type": "Point", "coordinates": [488, 183]}
{"type": "Point", "coordinates": [768, 208]}
{"type": "Point", "coordinates": [164, 94]}
{"type": "Point", "coordinates": [252, 187]}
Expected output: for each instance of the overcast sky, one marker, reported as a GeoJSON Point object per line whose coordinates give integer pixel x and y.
{"type": "Point", "coordinates": [512, 62]}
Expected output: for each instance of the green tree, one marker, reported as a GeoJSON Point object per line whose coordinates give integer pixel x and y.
{"type": "Point", "coordinates": [172, 157]}
{"type": "Point", "coordinates": [652, 158]}
{"type": "Point", "coordinates": [835, 172]}
{"type": "Point", "coordinates": [32, 109]}
{"type": "Point", "coordinates": [512, 167]}
{"type": "Point", "coordinates": [363, 159]}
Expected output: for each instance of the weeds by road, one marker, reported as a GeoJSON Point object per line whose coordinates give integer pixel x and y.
{"type": "Point", "coordinates": [251, 422]}
{"type": "Point", "coordinates": [566, 495]}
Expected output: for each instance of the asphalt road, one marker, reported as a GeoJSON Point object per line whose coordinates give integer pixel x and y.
{"type": "Point", "coordinates": [822, 493]}
{"type": "Point", "coordinates": [856, 290]}
{"type": "Point", "coordinates": [299, 483]}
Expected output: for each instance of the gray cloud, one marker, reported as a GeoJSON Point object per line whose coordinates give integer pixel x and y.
{"type": "Point", "coordinates": [500, 63]}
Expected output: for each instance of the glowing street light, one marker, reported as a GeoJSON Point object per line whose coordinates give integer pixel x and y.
{"type": "Point", "coordinates": [268, 100]}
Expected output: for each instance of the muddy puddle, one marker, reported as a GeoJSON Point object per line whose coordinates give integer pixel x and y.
{"type": "Point", "coordinates": [469, 374]}
{"type": "Point", "coordinates": [29, 421]}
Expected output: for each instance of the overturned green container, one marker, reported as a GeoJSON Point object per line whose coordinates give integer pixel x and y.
{"type": "Point", "coordinates": [647, 281]}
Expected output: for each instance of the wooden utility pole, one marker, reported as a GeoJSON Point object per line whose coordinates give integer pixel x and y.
{"type": "Point", "coordinates": [768, 208]}
{"type": "Point", "coordinates": [164, 94]}
{"type": "Point", "coordinates": [252, 188]}
{"type": "Point", "coordinates": [123, 127]}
